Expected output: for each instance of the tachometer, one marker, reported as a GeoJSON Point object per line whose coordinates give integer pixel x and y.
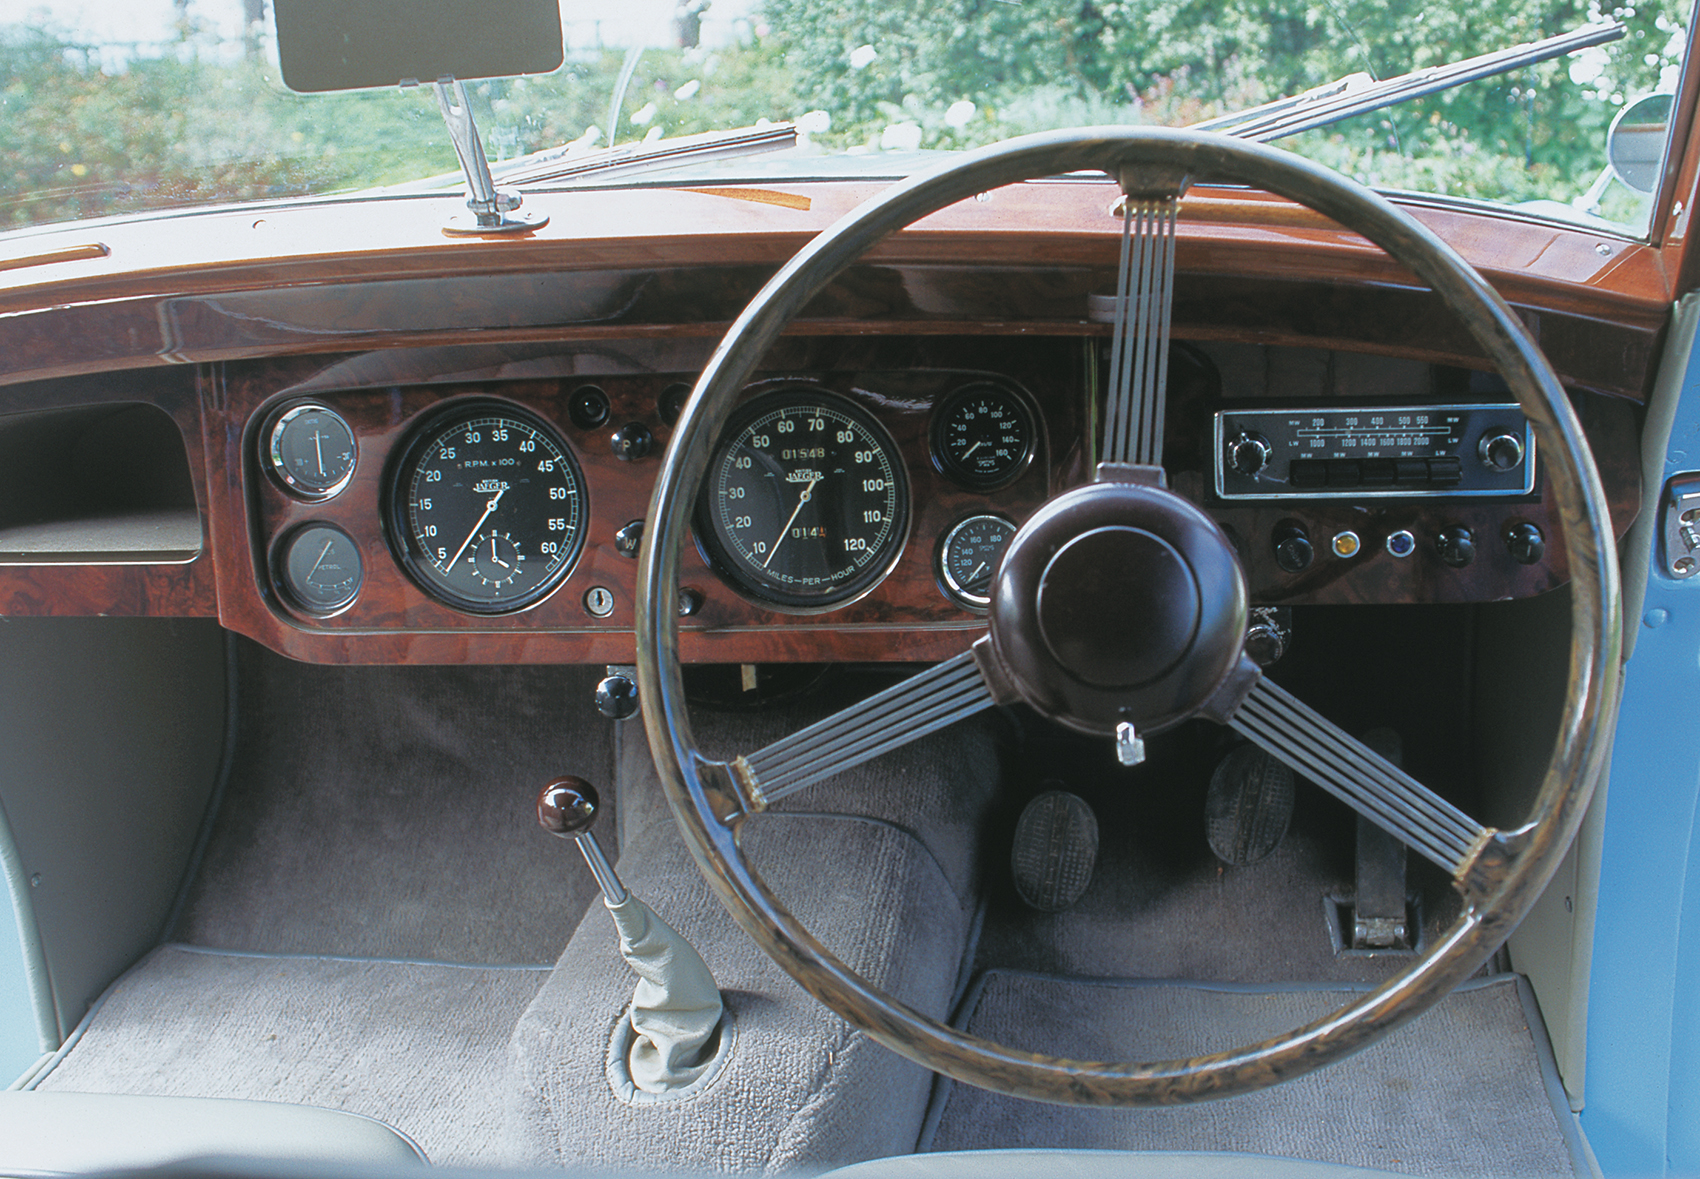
{"type": "Point", "coordinates": [806, 504]}
{"type": "Point", "coordinates": [487, 508]}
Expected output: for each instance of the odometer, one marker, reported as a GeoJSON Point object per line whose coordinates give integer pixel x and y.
{"type": "Point", "coordinates": [806, 503]}
{"type": "Point", "coordinates": [487, 509]}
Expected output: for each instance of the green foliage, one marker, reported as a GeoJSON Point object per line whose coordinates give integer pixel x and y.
{"type": "Point", "coordinates": [82, 135]}
{"type": "Point", "coordinates": [1537, 133]}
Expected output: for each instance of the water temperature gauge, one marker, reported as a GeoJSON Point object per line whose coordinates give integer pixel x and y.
{"type": "Point", "coordinates": [968, 559]}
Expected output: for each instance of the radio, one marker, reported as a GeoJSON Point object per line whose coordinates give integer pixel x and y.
{"type": "Point", "coordinates": [1359, 453]}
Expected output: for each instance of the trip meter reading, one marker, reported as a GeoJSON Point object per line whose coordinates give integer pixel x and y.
{"type": "Point", "coordinates": [487, 509]}
{"type": "Point", "coordinates": [806, 504]}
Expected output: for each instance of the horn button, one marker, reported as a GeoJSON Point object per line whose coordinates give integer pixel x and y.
{"type": "Point", "coordinates": [1118, 601]}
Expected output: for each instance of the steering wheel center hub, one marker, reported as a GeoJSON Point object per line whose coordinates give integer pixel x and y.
{"type": "Point", "coordinates": [1118, 601]}
{"type": "Point", "coordinates": [1118, 607]}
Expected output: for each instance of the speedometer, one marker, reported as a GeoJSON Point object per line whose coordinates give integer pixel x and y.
{"type": "Point", "coordinates": [487, 508]}
{"type": "Point", "coordinates": [806, 503]}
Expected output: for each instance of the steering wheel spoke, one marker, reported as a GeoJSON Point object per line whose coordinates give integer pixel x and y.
{"type": "Point", "coordinates": [904, 712]}
{"type": "Point", "coordinates": [1139, 342]}
{"type": "Point", "coordinates": [1358, 776]}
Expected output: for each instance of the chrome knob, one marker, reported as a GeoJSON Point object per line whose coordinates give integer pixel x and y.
{"type": "Point", "coordinates": [1500, 452]}
{"type": "Point", "coordinates": [1249, 453]}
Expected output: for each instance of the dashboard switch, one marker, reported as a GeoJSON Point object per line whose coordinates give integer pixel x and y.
{"type": "Point", "coordinates": [1293, 551]}
{"type": "Point", "coordinates": [632, 441]}
{"type": "Point", "coordinates": [1525, 543]}
{"type": "Point", "coordinates": [629, 539]}
{"type": "Point", "coordinates": [1456, 546]}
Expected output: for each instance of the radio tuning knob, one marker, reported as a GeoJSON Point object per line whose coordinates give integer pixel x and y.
{"type": "Point", "coordinates": [1249, 453]}
{"type": "Point", "coordinates": [1501, 451]}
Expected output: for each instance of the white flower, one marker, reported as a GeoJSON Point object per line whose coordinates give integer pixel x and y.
{"type": "Point", "coordinates": [862, 57]}
{"type": "Point", "coordinates": [900, 137]}
{"type": "Point", "coordinates": [653, 134]}
{"type": "Point", "coordinates": [643, 114]}
{"type": "Point", "coordinates": [814, 123]}
{"type": "Point", "coordinates": [688, 90]}
{"type": "Point", "coordinates": [959, 114]}
{"type": "Point", "coordinates": [1588, 65]}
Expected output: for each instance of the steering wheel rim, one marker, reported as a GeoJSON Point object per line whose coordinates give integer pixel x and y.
{"type": "Point", "coordinates": [1505, 871]}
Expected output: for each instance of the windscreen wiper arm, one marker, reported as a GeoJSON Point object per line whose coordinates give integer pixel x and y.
{"type": "Point", "coordinates": [1358, 94]}
{"type": "Point", "coordinates": [558, 165]}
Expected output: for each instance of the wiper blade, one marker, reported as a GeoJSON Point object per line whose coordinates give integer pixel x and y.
{"type": "Point", "coordinates": [1358, 94]}
{"type": "Point", "coordinates": [558, 164]}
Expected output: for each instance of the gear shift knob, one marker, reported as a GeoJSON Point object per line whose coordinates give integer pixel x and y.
{"type": "Point", "coordinates": [568, 807]}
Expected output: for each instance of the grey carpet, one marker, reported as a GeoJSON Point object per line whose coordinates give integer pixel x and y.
{"type": "Point", "coordinates": [389, 812]}
{"type": "Point", "coordinates": [421, 1047]}
{"type": "Point", "coordinates": [1458, 1092]}
{"type": "Point", "coordinates": [800, 1088]}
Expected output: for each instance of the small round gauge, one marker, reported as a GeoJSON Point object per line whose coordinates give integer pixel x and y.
{"type": "Point", "coordinates": [311, 451]}
{"type": "Point", "coordinates": [806, 504]}
{"type": "Point", "coordinates": [983, 436]}
{"type": "Point", "coordinates": [319, 568]}
{"type": "Point", "coordinates": [487, 508]}
{"type": "Point", "coordinates": [968, 558]}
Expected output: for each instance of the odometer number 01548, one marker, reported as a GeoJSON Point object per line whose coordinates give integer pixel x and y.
{"type": "Point", "coordinates": [806, 503]}
{"type": "Point", "coordinates": [488, 509]}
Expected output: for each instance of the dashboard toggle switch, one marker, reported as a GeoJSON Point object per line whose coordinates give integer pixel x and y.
{"type": "Point", "coordinates": [1525, 543]}
{"type": "Point", "coordinates": [1293, 550]}
{"type": "Point", "coordinates": [1456, 546]}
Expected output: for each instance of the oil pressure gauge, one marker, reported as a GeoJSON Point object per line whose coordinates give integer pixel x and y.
{"type": "Point", "coordinates": [983, 436]}
{"type": "Point", "coordinates": [968, 559]}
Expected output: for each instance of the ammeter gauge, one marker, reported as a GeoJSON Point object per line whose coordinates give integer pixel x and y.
{"type": "Point", "coordinates": [311, 451]}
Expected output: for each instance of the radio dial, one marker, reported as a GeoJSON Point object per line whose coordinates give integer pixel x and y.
{"type": "Point", "coordinates": [1501, 451]}
{"type": "Point", "coordinates": [1249, 453]}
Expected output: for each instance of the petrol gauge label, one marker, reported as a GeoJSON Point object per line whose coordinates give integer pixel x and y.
{"type": "Point", "coordinates": [807, 503]}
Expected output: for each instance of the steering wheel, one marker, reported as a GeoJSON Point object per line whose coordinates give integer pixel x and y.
{"type": "Point", "coordinates": [1179, 656]}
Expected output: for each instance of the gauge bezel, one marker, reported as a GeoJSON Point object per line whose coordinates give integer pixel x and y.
{"type": "Point", "coordinates": [409, 553]}
{"type": "Point", "coordinates": [272, 457]}
{"type": "Point", "coordinates": [950, 468]}
{"type": "Point", "coordinates": [759, 591]}
{"type": "Point", "coordinates": [948, 584]}
{"type": "Point", "coordinates": [285, 585]}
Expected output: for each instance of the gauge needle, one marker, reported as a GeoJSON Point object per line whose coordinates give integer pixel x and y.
{"type": "Point", "coordinates": [320, 561]}
{"type": "Point", "coordinates": [319, 450]}
{"type": "Point", "coordinates": [488, 508]}
{"type": "Point", "coordinates": [786, 531]}
{"type": "Point", "coordinates": [493, 555]}
{"type": "Point", "coordinates": [973, 448]}
{"type": "Point", "coordinates": [972, 577]}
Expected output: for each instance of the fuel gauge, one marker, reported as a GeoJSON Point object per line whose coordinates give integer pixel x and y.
{"type": "Point", "coordinates": [319, 567]}
{"type": "Point", "coordinates": [968, 559]}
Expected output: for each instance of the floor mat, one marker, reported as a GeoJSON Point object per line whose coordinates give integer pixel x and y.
{"type": "Point", "coordinates": [422, 1047]}
{"type": "Point", "coordinates": [1459, 1092]}
{"type": "Point", "coordinates": [390, 812]}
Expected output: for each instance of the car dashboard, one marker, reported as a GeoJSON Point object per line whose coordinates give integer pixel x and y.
{"type": "Point", "coordinates": [1328, 414]}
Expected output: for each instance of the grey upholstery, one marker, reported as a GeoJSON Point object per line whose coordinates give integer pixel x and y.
{"type": "Point", "coordinates": [1097, 1164]}
{"type": "Point", "coordinates": [75, 1133]}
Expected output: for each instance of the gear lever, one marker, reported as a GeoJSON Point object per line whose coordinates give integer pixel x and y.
{"type": "Point", "coordinates": [676, 1008]}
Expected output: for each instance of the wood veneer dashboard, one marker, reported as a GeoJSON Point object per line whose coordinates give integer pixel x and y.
{"type": "Point", "coordinates": [1273, 306]}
